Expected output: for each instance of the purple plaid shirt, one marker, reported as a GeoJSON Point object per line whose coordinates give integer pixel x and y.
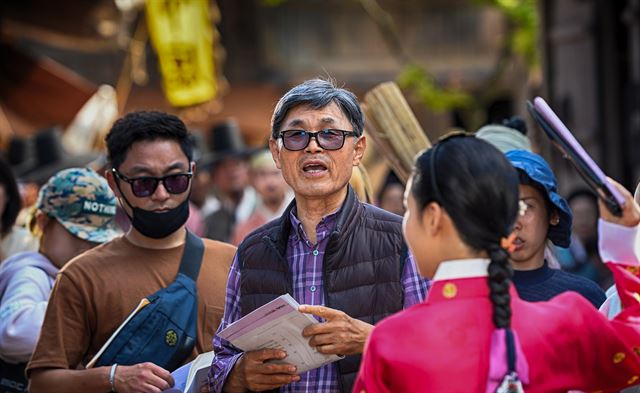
{"type": "Point", "coordinates": [305, 261]}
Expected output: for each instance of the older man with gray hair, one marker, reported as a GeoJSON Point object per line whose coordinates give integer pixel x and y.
{"type": "Point", "coordinates": [345, 260]}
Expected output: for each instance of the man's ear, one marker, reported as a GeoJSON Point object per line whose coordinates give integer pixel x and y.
{"type": "Point", "coordinates": [275, 152]}
{"type": "Point", "coordinates": [555, 218]}
{"type": "Point", "coordinates": [108, 174]}
{"type": "Point", "coordinates": [42, 219]}
{"type": "Point", "coordinates": [359, 148]}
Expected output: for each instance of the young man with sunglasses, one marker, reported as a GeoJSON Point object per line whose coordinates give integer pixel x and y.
{"type": "Point", "coordinates": [151, 170]}
{"type": "Point", "coordinates": [344, 260]}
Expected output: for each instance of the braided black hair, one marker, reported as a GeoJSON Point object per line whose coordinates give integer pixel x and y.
{"type": "Point", "coordinates": [478, 187]}
{"type": "Point", "coordinates": [500, 273]}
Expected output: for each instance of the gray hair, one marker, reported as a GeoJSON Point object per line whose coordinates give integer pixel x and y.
{"type": "Point", "coordinates": [318, 93]}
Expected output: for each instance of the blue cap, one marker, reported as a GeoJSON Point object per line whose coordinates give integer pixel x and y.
{"type": "Point", "coordinates": [540, 173]}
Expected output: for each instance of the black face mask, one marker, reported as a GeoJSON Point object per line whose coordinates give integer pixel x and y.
{"type": "Point", "coordinates": [158, 225]}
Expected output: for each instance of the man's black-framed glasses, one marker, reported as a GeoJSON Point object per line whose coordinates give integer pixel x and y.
{"type": "Point", "coordinates": [145, 186]}
{"type": "Point", "coordinates": [328, 139]}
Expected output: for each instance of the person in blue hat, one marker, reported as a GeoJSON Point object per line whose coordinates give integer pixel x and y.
{"type": "Point", "coordinates": [545, 216]}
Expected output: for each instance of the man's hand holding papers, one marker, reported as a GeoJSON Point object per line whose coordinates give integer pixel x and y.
{"type": "Point", "coordinates": [340, 334]}
{"type": "Point", "coordinates": [275, 351]}
{"type": "Point", "coordinates": [255, 371]}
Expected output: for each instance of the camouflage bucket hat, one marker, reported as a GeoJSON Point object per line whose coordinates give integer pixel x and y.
{"type": "Point", "coordinates": [82, 202]}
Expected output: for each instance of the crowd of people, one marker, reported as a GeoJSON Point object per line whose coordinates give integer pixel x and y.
{"type": "Point", "coordinates": [478, 276]}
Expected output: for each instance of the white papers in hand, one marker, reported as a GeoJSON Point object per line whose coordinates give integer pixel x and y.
{"type": "Point", "coordinates": [278, 325]}
{"type": "Point", "coordinates": [191, 377]}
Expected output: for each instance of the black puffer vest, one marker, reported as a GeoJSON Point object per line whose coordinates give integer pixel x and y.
{"type": "Point", "coordinates": [362, 269]}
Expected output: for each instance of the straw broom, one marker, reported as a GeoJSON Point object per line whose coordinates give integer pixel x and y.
{"type": "Point", "coordinates": [394, 128]}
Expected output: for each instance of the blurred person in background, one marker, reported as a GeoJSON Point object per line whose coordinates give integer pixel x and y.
{"type": "Point", "coordinates": [274, 195]}
{"type": "Point", "coordinates": [33, 161]}
{"type": "Point", "coordinates": [582, 257]}
{"type": "Point", "coordinates": [43, 155]}
{"type": "Point", "coordinates": [75, 212]}
{"type": "Point", "coordinates": [200, 184]}
{"type": "Point", "coordinates": [391, 195]}
{"type": "Point", "coordinates": [234, 199]}
{"type": "Point", "coordinates": [13, 239]}
{"type": "Point", "coordinates": [510, 135]}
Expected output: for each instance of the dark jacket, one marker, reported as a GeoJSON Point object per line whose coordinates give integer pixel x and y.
{"type": "Point", "coordinates": [362, 269]}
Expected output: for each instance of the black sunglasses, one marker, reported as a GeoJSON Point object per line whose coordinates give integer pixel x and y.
{"type": "Point", "coordinates": [146, 185]}
{"type": "Point", "coordinates": [328, 139]}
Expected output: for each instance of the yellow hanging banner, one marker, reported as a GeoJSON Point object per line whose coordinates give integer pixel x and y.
{"type": "Point", "coordinates": [182, 36]}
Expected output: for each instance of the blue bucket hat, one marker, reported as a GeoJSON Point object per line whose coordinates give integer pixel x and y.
{"type": "Point", "coordinates": [537, 169]}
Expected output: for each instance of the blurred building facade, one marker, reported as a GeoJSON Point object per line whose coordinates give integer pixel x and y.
{"type": "Point", "coordinates": [268, 47]}
{"type": "Point", "coordinates": [457, 41]}
{"type": "Point", "coordinates": [592, 79]}
{"type": "Point", "coordinates": [265, 48]}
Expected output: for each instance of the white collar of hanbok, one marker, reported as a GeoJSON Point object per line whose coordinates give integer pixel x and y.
{"type": "Point", "coordinates": [462, 268]}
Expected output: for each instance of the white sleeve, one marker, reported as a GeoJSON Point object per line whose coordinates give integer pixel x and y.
{"type": "Point", "coordinates": [618, 244]}
{"type": "Point", "coordinates": [22, 312]}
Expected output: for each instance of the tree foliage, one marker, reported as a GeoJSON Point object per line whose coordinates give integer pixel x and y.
{"type": "Point", "coordinates": [522, 17]}
{"type": "Point", "coordinates": [426, 88]}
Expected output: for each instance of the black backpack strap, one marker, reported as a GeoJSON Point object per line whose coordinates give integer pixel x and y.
{"type": "Point", "coordinates": [192, 256]}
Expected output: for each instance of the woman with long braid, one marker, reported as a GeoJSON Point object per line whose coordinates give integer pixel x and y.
{"type": "Point", "coordinates": [473, 333]}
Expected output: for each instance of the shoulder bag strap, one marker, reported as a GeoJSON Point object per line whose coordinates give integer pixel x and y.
{"type": "Point", "coordinates": [192, 256]}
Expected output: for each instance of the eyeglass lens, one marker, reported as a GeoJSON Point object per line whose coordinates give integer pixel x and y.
{"type": "Point", "coordinates": [174, 184]}
{"type": "Point", "coordinates": [326, 139]}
